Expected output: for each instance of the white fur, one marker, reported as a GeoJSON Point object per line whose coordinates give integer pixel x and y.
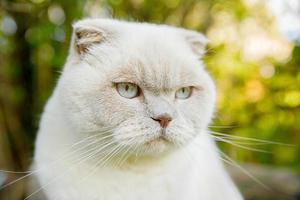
{"type": "Point", "coordinates": [159, 59]}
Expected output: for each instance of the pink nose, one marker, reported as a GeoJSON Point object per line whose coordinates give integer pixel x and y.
{"type": "Point", "coordinates": [163, 120]}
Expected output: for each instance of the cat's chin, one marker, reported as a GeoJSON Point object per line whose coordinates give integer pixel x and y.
{"type": "Point", "coordinates": [157, 147]}
{"type": "Point", "coordinates": [157, 141]}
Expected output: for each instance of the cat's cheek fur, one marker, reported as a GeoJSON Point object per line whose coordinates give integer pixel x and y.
{"type": "Point", "coordinates": [83, 93]}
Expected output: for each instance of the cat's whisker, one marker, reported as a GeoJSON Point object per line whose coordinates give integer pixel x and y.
{"type": "Point", "coordinates": [30, 174]}
{"type": "Point", "coordinates": [49, 183]}
{"type": "Point", "coordinates": [222, 126]}
{"type": "Point", "coordinates": [241, 142]}
{"type": "Point", "coordinates": [114, 160]}
{"type": "Point", "coordinates": [102, 161]}
{"type": "Point", "coordinates": [123, 154]}
{"type": "Point", "coordinates": [14, 172]}
{"type": "Point", "coordinates": [95, 142]}
{"type": "Point", "coordinates": [96, 147]}
{"type": "Point", "coordinates": [227, 159]}
{"type": "Point", "coordinates": [238, 145]}
{"type": "Point", "coordinates": [235, 164]}
{"type": "Point", "coordinates": [107, 144]}
{"type": "Point", "coordinates": [130, 136]}
{"type": "Point", "coordinates": [18, 179]}
{"type": "Point", "coordinates": [65, 156]}
{"type": "Point", "coordinates": [136, 149]}
{"type": "Point", "coordinates": [68, 170]}
{"type": "Point", "coordinates": [188, 134]}
{"type": "Point", "coordinates": [104, 155]}
{"type": "Point", "coordinates": [109, 157]}
{"type": "Point", "coordinates": [125, 157]}
{"type": "Point", "coordinates": [72, 145]}
{"type": "Point", "coordinates": [90, 138]}
{"type": "Point", "coordinates": [250, 139]}
{"type": "Point", "coordinates": [99, 130]}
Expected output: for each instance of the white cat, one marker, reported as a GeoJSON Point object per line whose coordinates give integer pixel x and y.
{"type": "Point", "coordinates": [128, 118]}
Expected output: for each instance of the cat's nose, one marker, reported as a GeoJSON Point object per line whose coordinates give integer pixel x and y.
{"type": "Point", "coordinates": [163, 120]}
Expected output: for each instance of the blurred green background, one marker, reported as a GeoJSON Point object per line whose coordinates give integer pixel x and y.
{"type": "Point", "coordinates": [256, 68]}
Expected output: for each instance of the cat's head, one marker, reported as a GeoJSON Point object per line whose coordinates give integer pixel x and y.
{"type": "Point", "coordinates": [141, 86]}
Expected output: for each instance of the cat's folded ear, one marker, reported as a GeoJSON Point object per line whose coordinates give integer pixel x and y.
{"type": "Point", "coordinates": [197, 42]}
{"type": "Point", "coordinates": [85, 36]}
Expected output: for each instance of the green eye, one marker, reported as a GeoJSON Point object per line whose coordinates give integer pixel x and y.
{"type": "Point", "coordinates": [127, 90]}
{"type": "Point", "coordinates": [183, 93]}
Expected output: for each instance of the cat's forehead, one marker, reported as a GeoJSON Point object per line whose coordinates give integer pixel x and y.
{"type": "Point", "coordinates": [157, 76]}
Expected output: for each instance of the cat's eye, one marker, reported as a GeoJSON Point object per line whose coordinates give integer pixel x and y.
{"type": "Point", "coordinates": [127, 90]}
{"type": "Point", "coordinates": [183, 93]}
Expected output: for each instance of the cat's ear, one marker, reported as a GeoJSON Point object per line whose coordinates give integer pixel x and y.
{"type": "Point", "coordinates": [85, 36]}
{"type": "Point", "coordinates": [196, 41]}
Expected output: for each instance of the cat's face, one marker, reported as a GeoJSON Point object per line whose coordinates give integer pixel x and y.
{"type": "Point", "coordinates": [140, 86]}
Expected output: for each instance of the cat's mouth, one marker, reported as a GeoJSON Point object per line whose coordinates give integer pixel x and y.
{"type": "Point", "coordinates": [161, 140]}
{"type": "Point", "coordinates": [157, 145]}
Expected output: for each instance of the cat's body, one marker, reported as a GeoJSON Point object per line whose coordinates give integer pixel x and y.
{"type": "Point", "coordinates": [94, 143]}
